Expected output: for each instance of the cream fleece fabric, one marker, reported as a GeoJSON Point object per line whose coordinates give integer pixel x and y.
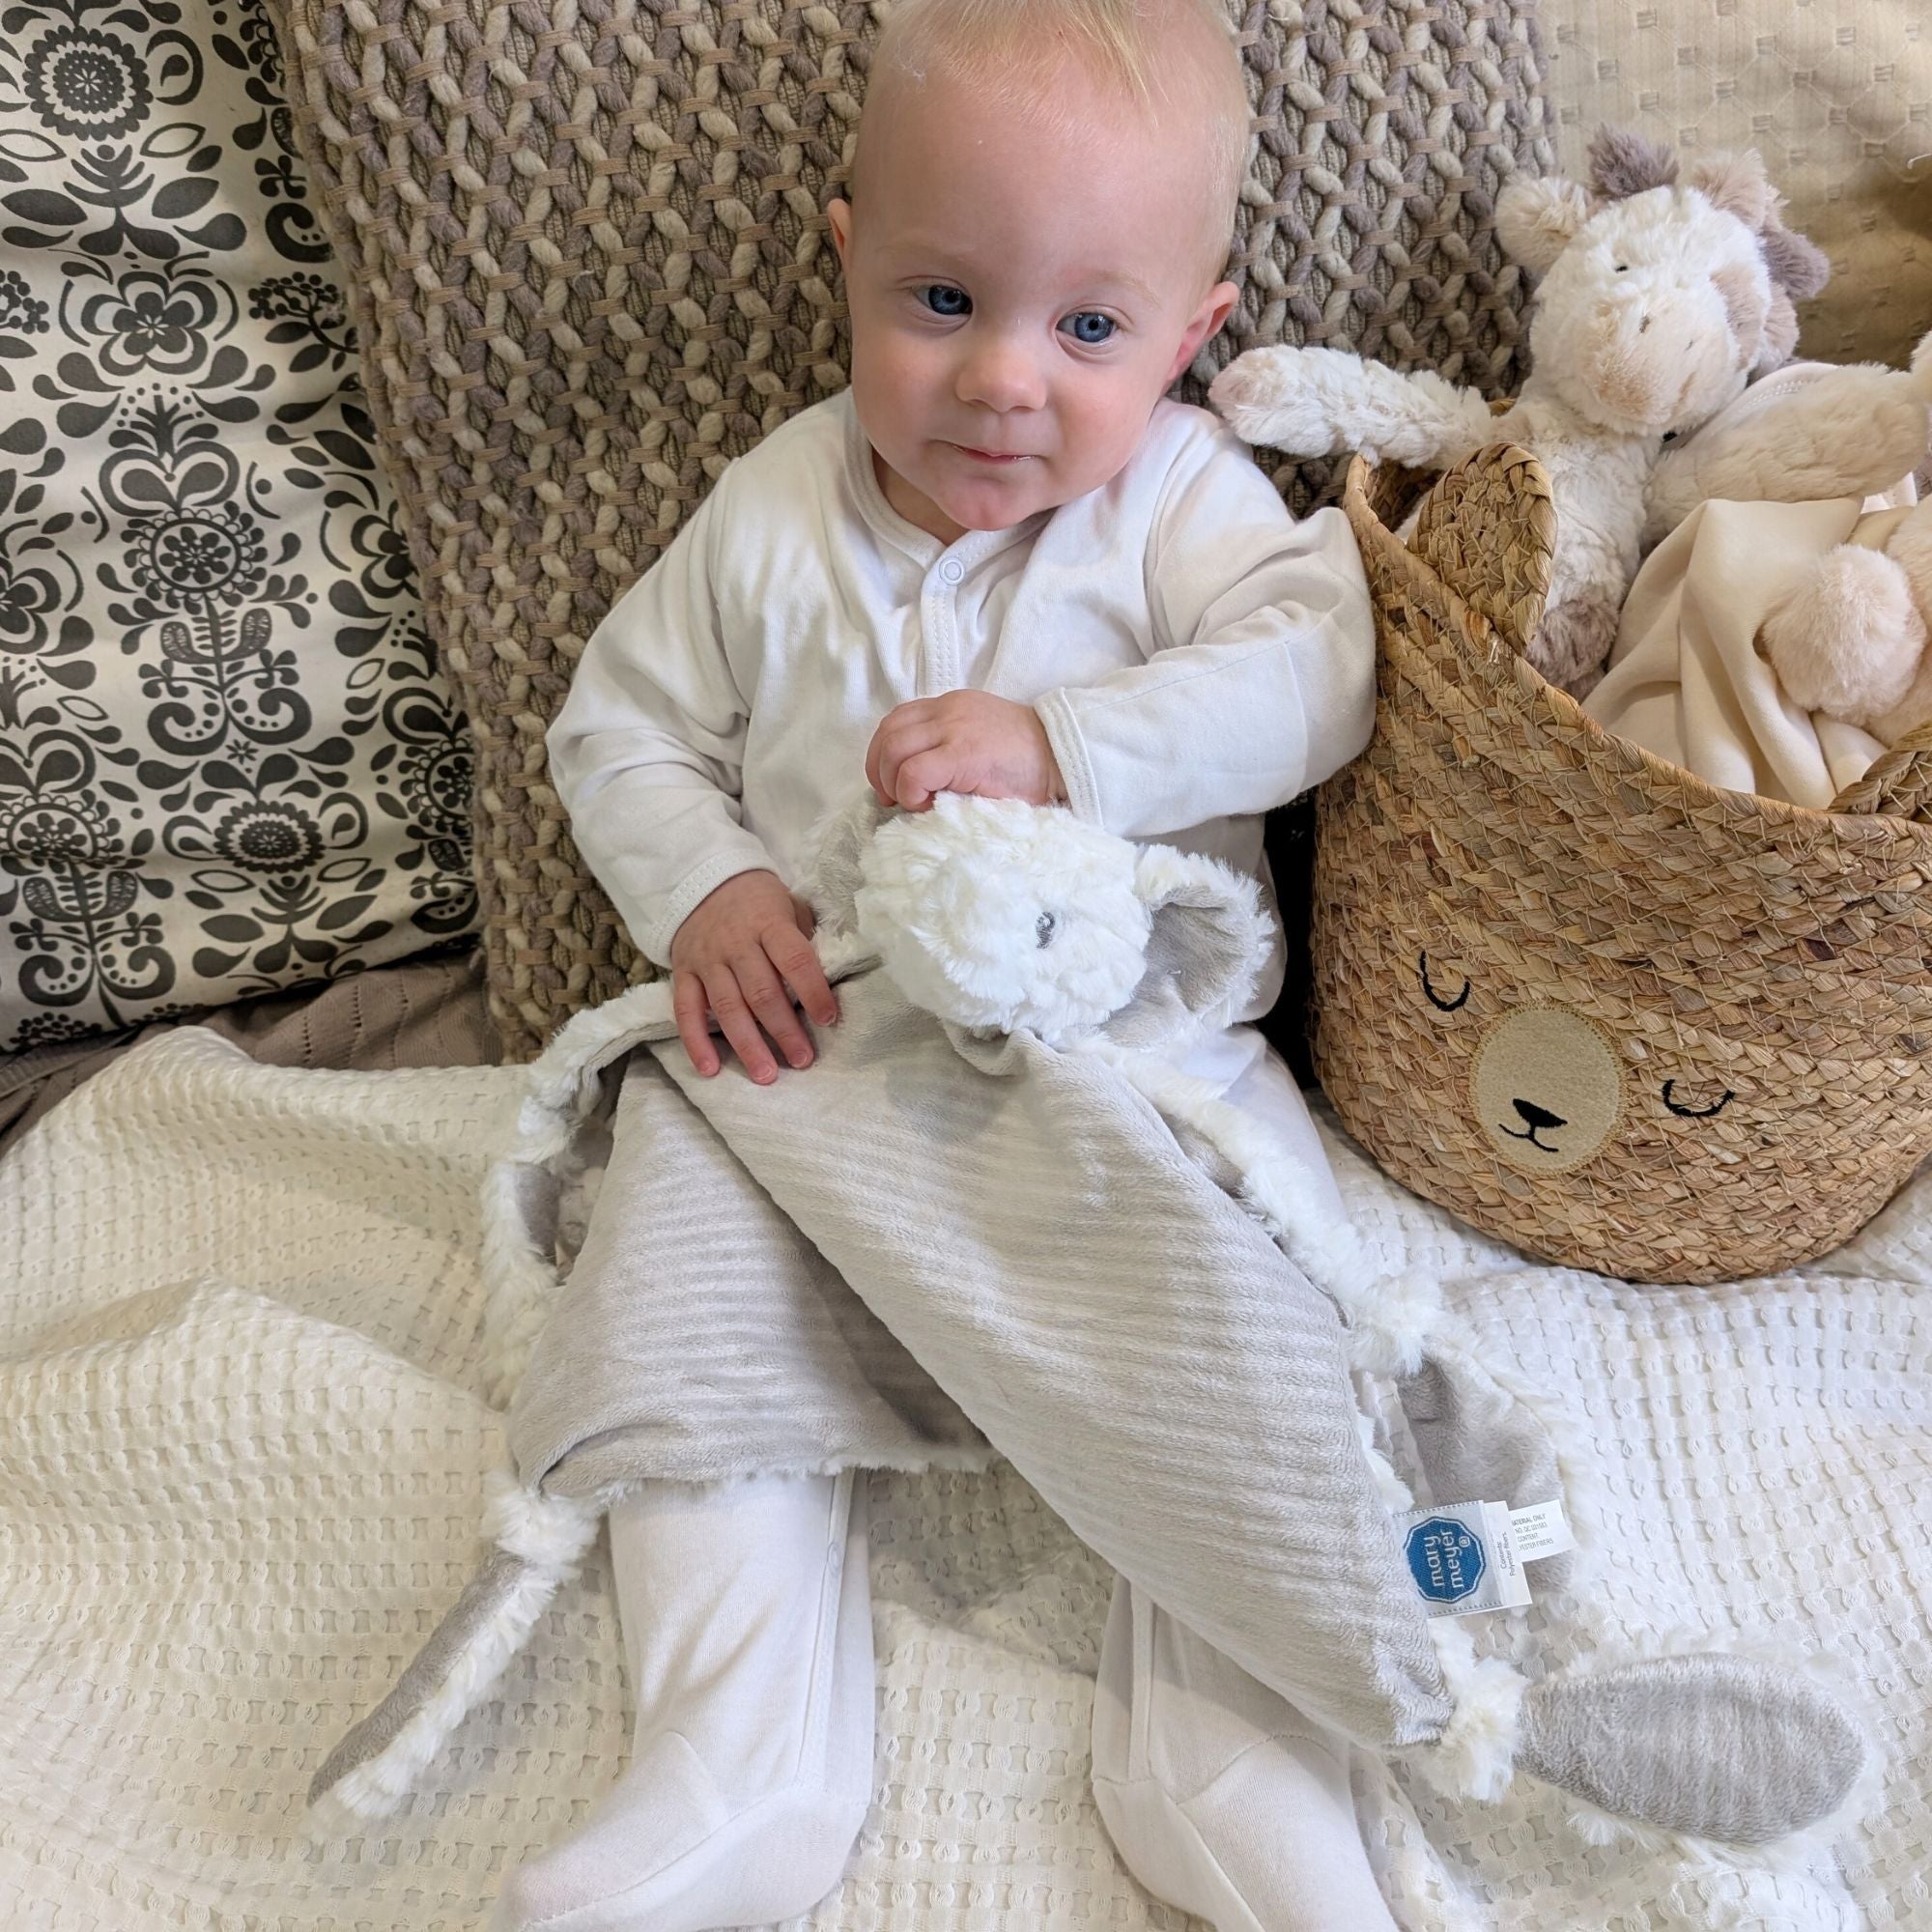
{"type": "Point", "coordinates": [1196, 655]}
{"type": "Point", "coordinates": [1688, 680]}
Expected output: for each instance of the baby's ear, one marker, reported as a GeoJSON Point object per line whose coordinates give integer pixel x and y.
{"type": "Point", "coordinates": [1538, 217]}
{"type": "Point", "coordinates": [1208, 943]}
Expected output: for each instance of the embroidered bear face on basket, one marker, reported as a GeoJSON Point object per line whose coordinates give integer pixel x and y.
{"type": "Point", "coordinates": [1597, 1007]}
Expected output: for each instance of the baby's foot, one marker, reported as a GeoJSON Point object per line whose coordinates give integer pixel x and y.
{"type": "Point", "coordinates": [668, 1851]}
{"type": "Point", "coordinates": [747, 1617]}
{"type": "Point", "coordinates": [1221, 1798]}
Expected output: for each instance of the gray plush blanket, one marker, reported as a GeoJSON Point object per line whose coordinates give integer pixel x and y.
{"type": "Point", "coordinates": [930, 1241]}
{"type": "Point", "coordinates": [995, 1215]}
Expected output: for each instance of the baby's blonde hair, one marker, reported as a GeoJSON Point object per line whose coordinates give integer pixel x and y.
{"type": "Point", "coordinates": [1165, 55]}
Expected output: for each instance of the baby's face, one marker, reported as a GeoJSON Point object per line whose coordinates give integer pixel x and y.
{"type": "Point", "coordinates": [1023, 289]}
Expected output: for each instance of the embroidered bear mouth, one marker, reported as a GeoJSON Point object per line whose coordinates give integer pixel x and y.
{"type": "Point", "coordinates": [1538, 1117]}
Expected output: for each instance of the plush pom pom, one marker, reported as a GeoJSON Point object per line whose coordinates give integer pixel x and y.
{"type": "Point", "coordinates": [1847, 638]}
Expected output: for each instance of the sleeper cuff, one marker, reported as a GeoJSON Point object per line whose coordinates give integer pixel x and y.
{"type": "Point", "coordinates": [741, 855]}
{"type": "Point", "coordinates": [1069, 754]}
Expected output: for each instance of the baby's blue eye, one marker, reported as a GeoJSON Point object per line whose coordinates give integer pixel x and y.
{"type": "Point", "coordinates": [944, 301]}
{"type": "Point", "coordinates": [1091, 326]}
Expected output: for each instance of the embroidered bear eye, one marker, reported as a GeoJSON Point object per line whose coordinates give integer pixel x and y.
{"type": "Point", "coordinates": [1435, 997]}
{"type": "Point", "coordinates": [1043, 928]}
{"type": "Point", "coordinates": [1685, 1113]}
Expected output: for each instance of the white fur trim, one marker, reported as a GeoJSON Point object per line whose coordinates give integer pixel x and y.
{"type": "Point", "coordinates": [1475, 1756]}
{"type": "Point", "coordinates": [550, 1532]}
{"type": "Point", "coordinates": [1397, 1497]}
{"type": "Point", "coordinates": [549, 1535]}
{"type": "Point", "coordinates": [376, 1788]}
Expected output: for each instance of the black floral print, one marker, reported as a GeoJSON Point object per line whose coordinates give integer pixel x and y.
{"type": "Point", "coordinates": [228, 760]}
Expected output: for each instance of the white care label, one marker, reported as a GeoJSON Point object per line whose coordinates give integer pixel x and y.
{"type": "Point", "coordinates": [1542, 1531]}
{"type": "Point", "coordinates": [1464, 1557]}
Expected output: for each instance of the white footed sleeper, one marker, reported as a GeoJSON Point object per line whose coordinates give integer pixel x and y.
{"type": "Point", "coordinates": [747, 1632]}
{"type": "Point", "coordinates": [1220, 1797]}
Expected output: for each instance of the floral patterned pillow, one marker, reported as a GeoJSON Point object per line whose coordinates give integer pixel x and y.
{"type": "Point", "coordinates": [228, 761]}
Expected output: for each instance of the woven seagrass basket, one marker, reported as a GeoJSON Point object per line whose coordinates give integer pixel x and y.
{"type": "Point", "coordinates": [1597, 1007]}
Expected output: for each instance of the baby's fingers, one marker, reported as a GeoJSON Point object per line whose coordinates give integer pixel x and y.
{"type": "Point", "coordinates": [689, 1007]}
{"type": "Point", "coordinates": [733, 1011]}
{"type": "Point", "coordinates": [796, 957]}
{"type": "Point", "coordinates": [920, 776]}
{"type": "Point", "coordinates": [773, 1006]}
{"type": "Point", "coordinates": [900, 737]}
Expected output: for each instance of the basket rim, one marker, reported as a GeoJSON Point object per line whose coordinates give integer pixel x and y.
{"type": "Point", "coordinates": [1599, 745]}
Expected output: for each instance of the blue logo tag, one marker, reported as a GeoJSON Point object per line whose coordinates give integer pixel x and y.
{"type": "Point", "coordinates": [1446, 1559]}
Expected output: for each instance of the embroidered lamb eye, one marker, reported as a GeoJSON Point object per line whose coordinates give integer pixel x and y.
{"type": "Point", "coordinates": [1435, 997]}
{"type": "Point", "coordinates": [1685, 1113]}
{"type": "Point", "coordinates": [1043, 928]}
{"type": "Point", "coordinates": [1623, 267]}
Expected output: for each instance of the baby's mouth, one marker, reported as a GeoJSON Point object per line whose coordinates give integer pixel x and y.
{"type": "Point", "coordinates": [1001, 456]}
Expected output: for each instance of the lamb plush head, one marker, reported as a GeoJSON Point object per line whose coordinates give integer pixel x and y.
{"type": "Point", "coordinates": [1659, 297]}
{"type": "Point", "coordinates": [1002, 917]}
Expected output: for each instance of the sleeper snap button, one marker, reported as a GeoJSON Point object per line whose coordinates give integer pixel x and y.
{"type": "Point", "coordinates": [953, 570]}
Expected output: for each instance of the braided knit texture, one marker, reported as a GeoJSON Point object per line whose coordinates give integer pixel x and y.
{"type": "Point", "coordinates": [592, 266]}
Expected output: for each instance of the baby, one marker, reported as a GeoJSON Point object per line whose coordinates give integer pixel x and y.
{"type": "Point", "coordinates": [1000, 563]}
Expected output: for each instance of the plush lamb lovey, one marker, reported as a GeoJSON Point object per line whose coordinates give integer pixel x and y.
{"type": "Point", "coordinates": [1000, 965]}
{"type": "Point", "coordinates": [1658, 299]}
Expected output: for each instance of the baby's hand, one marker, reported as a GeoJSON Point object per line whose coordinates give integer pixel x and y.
{"type": "Point", "coordinates": [745, 955]}
{"type": "Point", "coordinates": [966, 741]}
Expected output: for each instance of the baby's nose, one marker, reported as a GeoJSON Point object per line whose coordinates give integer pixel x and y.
{"type": "Point", "coordinates": [997, 374]}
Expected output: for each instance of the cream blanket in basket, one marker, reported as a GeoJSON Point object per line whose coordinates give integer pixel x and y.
{"type": "Point", "coordinates": [241, 1460]}
{"type": "Point", "coordinates": [1686, 679]}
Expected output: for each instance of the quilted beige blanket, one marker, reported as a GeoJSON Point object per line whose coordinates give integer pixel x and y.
{"type": "Point", "coordinates": [241, 1455]}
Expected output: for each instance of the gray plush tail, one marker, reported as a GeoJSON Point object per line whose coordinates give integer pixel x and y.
{"type": "Point", "coordinates": [538, 1543]}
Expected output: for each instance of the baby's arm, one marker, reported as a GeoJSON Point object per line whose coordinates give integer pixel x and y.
{"type": "Point", "coordinates": [1262, 679]}
{"type": "Point", "coordinates": [646, 753]}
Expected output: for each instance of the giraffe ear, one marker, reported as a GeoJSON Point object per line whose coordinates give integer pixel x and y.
{"type": "Point", "coordinates": [1737, 183]}
{"type": "Point", "coordinates": [1539, 216]}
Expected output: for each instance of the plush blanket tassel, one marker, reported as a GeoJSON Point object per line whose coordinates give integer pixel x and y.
{"type": "Point", "coordinates": [537, 1544]}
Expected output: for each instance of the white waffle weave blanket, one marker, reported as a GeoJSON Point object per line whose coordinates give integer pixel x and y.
{"type": "Point", "coordinates": [241, 1453]}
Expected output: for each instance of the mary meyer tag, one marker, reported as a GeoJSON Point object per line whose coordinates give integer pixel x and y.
{"type": "Point", "coordinates": [1461, 1558]}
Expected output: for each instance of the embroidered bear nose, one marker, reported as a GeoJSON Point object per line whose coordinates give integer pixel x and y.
{"type": "Point", "coordinates": [1536, 1118]}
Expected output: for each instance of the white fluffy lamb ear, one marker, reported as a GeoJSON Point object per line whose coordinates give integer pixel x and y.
{"type": "Point", "coordinates": [1209, 944]}
{"type": "Point", "coordinates": [1539, 216]}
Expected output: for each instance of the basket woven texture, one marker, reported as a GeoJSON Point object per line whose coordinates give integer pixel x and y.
{"type": "Point", "coordinates": [591, 265]}
{"type": "Point", "coordinates": [1597, 1007]}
